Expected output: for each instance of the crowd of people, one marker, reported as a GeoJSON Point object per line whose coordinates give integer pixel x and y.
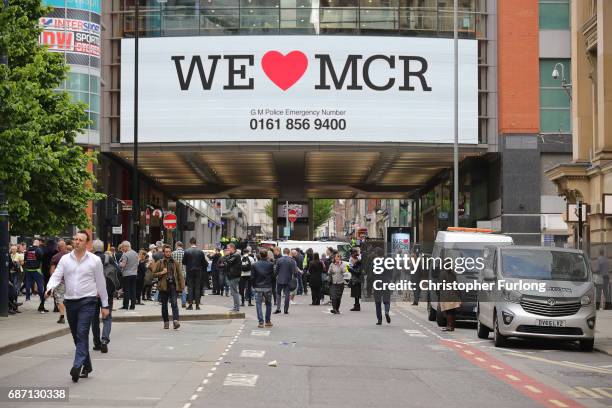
{"type": "Point", "coordinates": [82, 280]}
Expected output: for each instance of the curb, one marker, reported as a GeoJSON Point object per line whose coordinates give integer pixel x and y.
{"type": "Point", "coordinates": [603, 350]}
{"type": "Point", "coordinates": [9, 348]}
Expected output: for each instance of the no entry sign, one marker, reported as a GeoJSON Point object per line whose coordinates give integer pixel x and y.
{"type": "Point", "coordinates": [292, 215]}
{"type": "Point", "coordinates": [170, 221]}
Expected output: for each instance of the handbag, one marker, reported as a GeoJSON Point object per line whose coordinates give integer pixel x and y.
{"type": "Point", "coordinates": [293, 283]}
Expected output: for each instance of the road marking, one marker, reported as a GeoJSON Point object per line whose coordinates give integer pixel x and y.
{"type": "Point", "coordinates": [588, 392]}
{"type": "Point", "coordinates": [199, 389]}
{"type": "Point", "coordinates": [187, 405]}
{"type": "Point", "coordinates": [220, 358]}
{"type": "Point", "coordinates": [513, 377]}
{"type": "Point", "coordinates": [213, 369]}
{"type": "Point", "coordinates": [263, 333]}
{"type": "Point", "coordinates": [468, 352]}
{"type": "Point", "coordinates": [533, 389]}
{"type": "Point", "coordinates": [146, 398]}
{"type": "Point", "coordinates": [253, 353]}
{"type": "Point", "coordinates": [194, 397]}
{"type": "Point", "coordinates": [210, 374]}
{"type": "Point", "coordinates": [482, 360]}
{"type": "Point", "coordinates": [240, 380]}
{"type": "Point", "coordinates": [563, 364]}
{"type": "Point", "coordinates": [495, 367]}
{"type": "Point", "coordinates": [205, 381]}
{"type": "Point", "coordinates": [557, 403]}
{"type": "Point", "coordinates": [604, 393]}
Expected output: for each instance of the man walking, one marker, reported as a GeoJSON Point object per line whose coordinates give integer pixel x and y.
{"type": "Point", "coordinates": [195, 265]}
{"type": "Point", "coordinates": [170, 283]}
{"type": "Point", "coordinates": [84, 279]}
{"type": "Point", "coordinates": [286, 269]}
{"type": "Point", "coordinates": [178, 255]}
{"type": "Point", "coordinates": [33, 273]}
{"type": "Point", "coordinates": [233, 271]}
{"type": "Point", "coordinates": [111, 279]}
{"type": "Point", "coordinates": [129, 268]}
{"type": "Point", "coordinates": [261, 279]}
{"type": "Point", "coordinates": [603, 270]}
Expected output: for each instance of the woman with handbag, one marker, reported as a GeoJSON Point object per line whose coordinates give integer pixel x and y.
{"type": "Point", "coordinates": [316, 270]}
{"type": "Point", "coordinates": [336, 272]}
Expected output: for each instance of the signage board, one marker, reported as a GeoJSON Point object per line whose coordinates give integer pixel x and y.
{"type": "Point", "coordinates": [298, 88]}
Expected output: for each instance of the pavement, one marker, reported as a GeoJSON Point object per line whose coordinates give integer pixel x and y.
{"type": "Point", "coordinates": [311, 358]}
{"type": "Point", "coordinates": [31, 327]}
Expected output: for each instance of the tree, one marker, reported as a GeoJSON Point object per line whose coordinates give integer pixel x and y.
{"type": "Point", "coordinates": [43, 171]}
{"type": "Point", "coordinates": [323, 210]}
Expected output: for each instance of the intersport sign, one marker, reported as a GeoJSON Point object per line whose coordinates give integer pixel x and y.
{"type": "Point", "coordinates": [299, 88]}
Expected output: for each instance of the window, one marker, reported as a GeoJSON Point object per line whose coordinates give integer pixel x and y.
{"type": "Point", "coordinates": [554, 15]}
{"type": "Point", "coordinates": [555, 107]}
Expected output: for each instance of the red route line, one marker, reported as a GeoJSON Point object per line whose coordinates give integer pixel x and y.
{"type": "Point", "coordinates": [548, 397]}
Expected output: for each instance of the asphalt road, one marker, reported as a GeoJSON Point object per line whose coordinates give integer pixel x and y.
{"type": "Point", "coordinates": [322, 360]}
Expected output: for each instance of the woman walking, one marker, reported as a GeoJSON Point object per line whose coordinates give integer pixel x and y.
{"type": "Point", "coordinates": [336, 272]}
{"type": "Point", "coordinates": [316, 270]}
{"type": "Point", "coordinates": [356, 279]}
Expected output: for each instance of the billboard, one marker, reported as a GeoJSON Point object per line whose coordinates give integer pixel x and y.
{"type": "Point", "coordinates": [299, 88]}
{"type": "Point", "coordinates": [75, 36]}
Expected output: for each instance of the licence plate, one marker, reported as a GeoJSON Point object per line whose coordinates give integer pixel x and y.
{"type": "Point", "coordinates": [552, 323]}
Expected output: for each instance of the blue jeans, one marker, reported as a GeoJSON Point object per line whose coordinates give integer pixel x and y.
{"type": "Point", "coordinates": [80, 314]}
{"type": "Point", "coordinates": [379, 309]}
{"type": "Point", "coordinates": [280, 288]}
{"type": "Point", "coordinates": [267, 297]}
{"type": "Point", "coordinates": [184, 296]}
{"type": "Point", "coordinates": [234, 285]}
{"type": "Point", "coordinates": [300, 286]}
{"type": "Point", "coordinates": [164, 297]}
{"type": "Point", "coordinates": [31, 276]}
{"type": "Point", "coordinates": [106, 324]}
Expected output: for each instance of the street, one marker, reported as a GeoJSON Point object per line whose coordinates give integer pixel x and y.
{"type": "Point", "coordinates": [322, 360]}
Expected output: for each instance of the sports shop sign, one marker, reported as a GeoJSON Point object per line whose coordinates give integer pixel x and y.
{"type": "Point", "coordinates": [299, 88]}
{"type": "Point", "coordinates": [77, 36]}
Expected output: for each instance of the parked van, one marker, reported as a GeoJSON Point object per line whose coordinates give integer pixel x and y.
{"type": "Point", "coordinates": [317, 246]}
{"type": "Point", "coordinates": [454, 243]}
{"type": "Point", "coordinates": [564, 310]}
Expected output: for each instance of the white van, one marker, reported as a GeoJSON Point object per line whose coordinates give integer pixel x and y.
{"type": "Point", "coordinates": [454, 243]}
{"type": "Point", "coordinates": [555, 297]}
{"type": "Point", "coordinates": [317, 246]}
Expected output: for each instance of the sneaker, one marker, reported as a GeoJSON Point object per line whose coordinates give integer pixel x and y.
{"type": "Point", "coordinates": [75, 373]}
{"type": "Point", "coordinates": [292, 302]}
{"type": "Point", "coordinates": [166, 325]}
{"type": "Point", "coordinates": [85, 372]}
{"type": "Point", "coordinates": [176, 325]}
{"type": "Point", "coordinates": [260, 325]}
{"type": "Point", "coordinates": [388, 318]}
{"type": "Point", "coordinates": [104, 348]}
{"type": "Point", "coordinates": [184, 306]}
{"type": "Point", "coordinates": [61, 320]}
{"type": "Point", "coordinates": [269, 324]}
{"type": "Point", "coordinates": [378, 323]}
{"type": "Point", "coordinates": [277, 311]}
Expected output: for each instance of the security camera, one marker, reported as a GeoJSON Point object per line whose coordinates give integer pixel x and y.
{"type": "Point", "coordinates": [555, 73]}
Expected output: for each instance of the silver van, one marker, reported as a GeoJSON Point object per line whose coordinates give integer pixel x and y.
{"type": "Point", "coordinates": [537, 292]}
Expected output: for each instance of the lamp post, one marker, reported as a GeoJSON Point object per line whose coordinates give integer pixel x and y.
{"type": "Point", "coordinates": [456, 115]}
{"type": "Point", "coordinates": [135, 182]}
{"type": "Point", "coordinates": [564, 84]}
{"type": "Point", "coordinates": [4, 225]}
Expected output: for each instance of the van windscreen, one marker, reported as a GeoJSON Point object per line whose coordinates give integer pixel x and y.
{"type": "Point", "coordinates": [544, 265]}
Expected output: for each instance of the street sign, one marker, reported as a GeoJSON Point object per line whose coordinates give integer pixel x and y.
{"type": "Point", "coordinates": [126, 205]}
{"type": "Point", "coordinates": [292, 215]}
{"type": "Point", "coordinates": [118, 230]}
{"type": "Point", "coordinates": [170, 221]}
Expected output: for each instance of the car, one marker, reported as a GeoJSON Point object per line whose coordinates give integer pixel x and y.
{"type": "Point", "coordinates": [556, 299]}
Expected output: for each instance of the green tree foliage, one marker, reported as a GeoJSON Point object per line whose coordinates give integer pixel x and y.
{"type": "Point", "coordinates": [323, 210]}
{"type": "Point", "coordinates": [43, 171]}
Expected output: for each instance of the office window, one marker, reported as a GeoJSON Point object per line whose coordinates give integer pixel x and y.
{"type": "Point", "coordinates": [554, 14]}
{"type": "Point", "coordinates": [555, 106]}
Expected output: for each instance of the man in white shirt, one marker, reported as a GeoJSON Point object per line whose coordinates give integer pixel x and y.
{"type": "Point", "coordinates": [84, 280]}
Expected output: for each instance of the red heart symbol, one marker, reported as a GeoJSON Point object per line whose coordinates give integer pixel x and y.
{"type": "Point", "coordinates": [284, 70]}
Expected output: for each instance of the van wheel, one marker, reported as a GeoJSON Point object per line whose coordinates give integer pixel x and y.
{"type": "Point", "coordinates": [482, 330]}
{"type": "Point", "coordinates": [431, 313]}
{"type": "Point", "coordinates": [587, 345]}
{"type": "Point", "coordinates": [440, 318]}
{"type": "Point", "coordinates": [499, 340]}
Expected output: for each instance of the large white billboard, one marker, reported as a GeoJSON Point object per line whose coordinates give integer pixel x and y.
{"type": "Point", "coordinates": [299, 88]}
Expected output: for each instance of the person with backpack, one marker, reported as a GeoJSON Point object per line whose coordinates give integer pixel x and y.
{"type": "Point", "coordinates": [245, 277]}
{"type": "Point", "coordinates": [111, 275]}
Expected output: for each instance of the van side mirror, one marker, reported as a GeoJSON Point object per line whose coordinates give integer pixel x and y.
{"type": "Point", "coordinates": [488, 274]}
